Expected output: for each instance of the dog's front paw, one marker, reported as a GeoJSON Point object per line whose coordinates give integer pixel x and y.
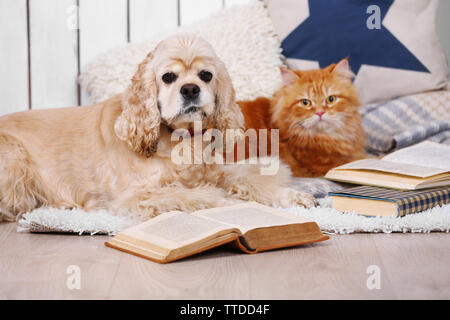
{"type": "Point", "coordinates": [290, 197]}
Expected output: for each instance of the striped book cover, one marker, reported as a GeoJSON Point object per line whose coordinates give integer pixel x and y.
{"type": "Point", "coordinates": [403, 202]}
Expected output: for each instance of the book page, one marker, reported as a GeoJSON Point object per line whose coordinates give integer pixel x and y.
{"type": "Point", "coordinates": [392, 167]}
{"type": "Point", "coordinates": [175, 229]}
{"type": "Point", "coordinates": [250, 216]}
{"type": "Point", "coordinates": [426, 154]}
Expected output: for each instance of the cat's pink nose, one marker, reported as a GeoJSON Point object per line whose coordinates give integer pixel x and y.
{"type": "Point", "coordinates": [320, 114]}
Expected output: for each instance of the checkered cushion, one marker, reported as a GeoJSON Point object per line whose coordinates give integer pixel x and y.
{"type": "Point", "coordinates": [408, 120]}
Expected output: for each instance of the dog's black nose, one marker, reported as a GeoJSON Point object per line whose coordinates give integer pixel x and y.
{"type": "Point", "coordinates": [190, 91]}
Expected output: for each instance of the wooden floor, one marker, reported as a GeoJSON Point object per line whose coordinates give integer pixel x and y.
{"type": "Point", "coordinates": [412, 266]}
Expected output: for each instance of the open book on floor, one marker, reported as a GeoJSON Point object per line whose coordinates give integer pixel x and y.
{"type": "Point", "coordinates": [425, 165]}
{"type": "Point", "coordinates": [251, 227]}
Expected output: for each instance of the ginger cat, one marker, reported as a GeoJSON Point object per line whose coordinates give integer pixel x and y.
{"type": "Point", "coordinates": [317, 115]}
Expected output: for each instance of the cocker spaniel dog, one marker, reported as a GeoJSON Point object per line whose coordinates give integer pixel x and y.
{"type": "Point", "coordinates": [116, 154]}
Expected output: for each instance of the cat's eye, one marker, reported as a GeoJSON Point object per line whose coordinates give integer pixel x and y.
{"type": "Point", "coordinates": [205, 76]}
{"type": "Point", "coordinates": [331, 99]}
{"type": "Point", "coordinates": [169, 77]}
{"type": "Point", "coordinates": [305, 103]}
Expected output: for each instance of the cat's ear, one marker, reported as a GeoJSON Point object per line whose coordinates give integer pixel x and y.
{"type": "Point", "coordinates": [288, 76]}
{"type": "Point", "coordinates": [342, 69]}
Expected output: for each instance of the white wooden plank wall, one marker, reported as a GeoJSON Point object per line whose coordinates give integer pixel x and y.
{"type": "Point", "coordinates": [149, 18]}
{"type": "Point", "coordinates": [13, 56]}
{"type": "Point", "coordinates": [103, 25]}
{"type": "Point", "coordinates": [45, 44]}
{"type": "Point", "coordinates": [53, 54]}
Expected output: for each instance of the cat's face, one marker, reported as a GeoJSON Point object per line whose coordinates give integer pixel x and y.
{"type": "Point", "coordinates": [316, 101]}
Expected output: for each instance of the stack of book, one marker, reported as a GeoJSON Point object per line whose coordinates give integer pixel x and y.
{"type": "Point", "coordinates": [407, 181]}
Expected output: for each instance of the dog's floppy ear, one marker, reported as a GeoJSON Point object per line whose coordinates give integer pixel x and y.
{"type": "Point", "coordinates": [229, 115]}
{"type": "Point", "coordinates": [139, 123]}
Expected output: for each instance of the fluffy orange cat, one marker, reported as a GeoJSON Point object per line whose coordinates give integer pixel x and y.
{"type": "Point", "coordinates": [317, 115]}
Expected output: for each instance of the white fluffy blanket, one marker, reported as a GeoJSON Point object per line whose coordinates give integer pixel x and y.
{"type": "Point", "coordinates": [330, 221]}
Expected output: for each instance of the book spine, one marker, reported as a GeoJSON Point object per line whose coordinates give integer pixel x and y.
{"type": "Point", "coordinates": [422, 201]}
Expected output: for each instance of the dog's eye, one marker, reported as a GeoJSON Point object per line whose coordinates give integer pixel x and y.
{"type": "Point", "coordinates": [169, 77]}
{"type": "Point", "coordinates": [205, 76]}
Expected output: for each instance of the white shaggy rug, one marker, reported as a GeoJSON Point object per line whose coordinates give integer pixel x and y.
{"type": "Point", "coordinates": [330, 221]}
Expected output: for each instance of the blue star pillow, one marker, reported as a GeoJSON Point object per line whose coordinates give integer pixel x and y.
{"type": "Point", "coordinates": [391, 44]}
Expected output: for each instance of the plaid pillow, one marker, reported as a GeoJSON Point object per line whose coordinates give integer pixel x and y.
{"type": "Point", "coordinates": [408, 120]}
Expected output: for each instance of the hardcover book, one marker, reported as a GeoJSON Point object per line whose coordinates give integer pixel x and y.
{"type": "Point", "coordinates": [375, 201]}
{"type": "Point", "coordinates": [421, 166]}
{"type": "Point", "coordinates": [250, 227]}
